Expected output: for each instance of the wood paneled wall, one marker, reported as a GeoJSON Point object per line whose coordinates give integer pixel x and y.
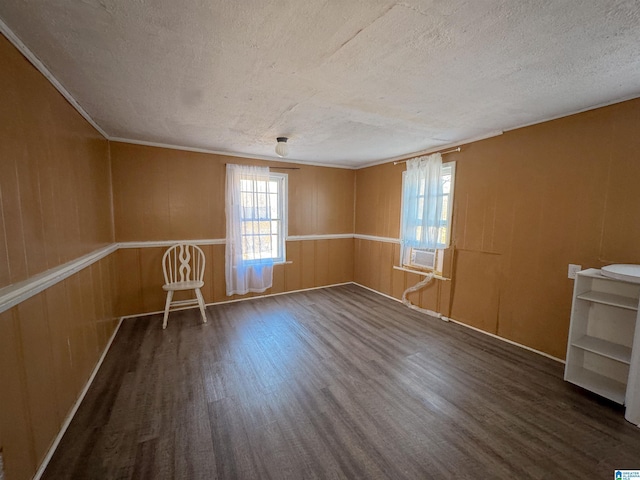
{"type": "Point", "coordinates": [314, 263]}
{"type": "Point", "coordinates": [527, 204]}
{"type": "Point", "coordinates": [54, 187]}
{"type": "Point", "coordinates": [373, 268]}
{"type": "Point", "coordinates": [164, 194]}
{"type": "Point", "coordinates": [49, 345]}
{"type": "Point", "coordinates": [55, 203]}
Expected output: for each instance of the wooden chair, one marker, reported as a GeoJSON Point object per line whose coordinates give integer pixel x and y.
{"type": "Point", "coordinates": [183, 268]}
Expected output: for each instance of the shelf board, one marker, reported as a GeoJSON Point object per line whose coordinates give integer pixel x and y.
{"type": "Point", "coordinates": [597, 273]}
{"type": "Point", "coordinates": [594, 382]}
{"type": "Point", "coordinates": [621, 301]}
{"type": "Point", "coordinates": [611, 350]}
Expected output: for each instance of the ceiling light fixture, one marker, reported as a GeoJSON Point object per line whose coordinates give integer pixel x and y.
{"type": "Point", "coordinates": [282, 149]}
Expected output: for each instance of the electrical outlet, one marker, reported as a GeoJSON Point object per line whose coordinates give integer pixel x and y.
{"type": "Point", "coordinates": [573, 269]}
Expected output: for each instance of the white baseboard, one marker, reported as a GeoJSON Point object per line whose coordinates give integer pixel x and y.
{"type": "Point", "coordinates": [72, 413]}
{"type": "Point", "coordinates": [544, 354]}
{"type": "Point", "coordinates": [241, 299]}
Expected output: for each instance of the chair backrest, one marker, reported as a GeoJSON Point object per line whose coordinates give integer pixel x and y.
{"type": "Point", "coordinates": [183, 262]}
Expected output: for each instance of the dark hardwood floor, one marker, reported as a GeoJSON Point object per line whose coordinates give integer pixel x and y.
{"type": "Point", "coordinates": [334, 383]}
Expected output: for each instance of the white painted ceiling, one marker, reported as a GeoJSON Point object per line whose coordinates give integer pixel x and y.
{"type": "Point", "coordinates": [351, 82]}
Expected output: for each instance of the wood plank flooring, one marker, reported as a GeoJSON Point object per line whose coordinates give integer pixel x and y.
{"type": "Point", "coordinates": [334, 383]}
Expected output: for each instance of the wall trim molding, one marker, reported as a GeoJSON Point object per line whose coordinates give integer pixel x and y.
{"type": "Point", "coordinates": [328, 236]}
{"type": "Point", "coordinates": [458, 322]}
{"type": "Point", "coordinates": [224, 153]}
{"type": "Point", "coordinates": [235, 300]}
{"type": "Point", "coordinates": [74, 409]}
{"type": "Point", "coordinates": [375, 238]}
{"type": "Point", "coordinates": [539, 352]}
{"type": "Point", "coordinates": [12, 295]}
{"type": "Point", "coordinates": [35, 61]}
{"type": "Point", "coordinates": [222, 241]}
{"type": "Point", "coordinates": [435, 149]}
{"type": "Point", "coordinates": [168, 243]}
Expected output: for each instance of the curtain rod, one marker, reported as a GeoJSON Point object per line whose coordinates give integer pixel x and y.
{"type": "Point", "coordinates": [276, 168]}
{"type": "Point", "coordinates": [441, 153]}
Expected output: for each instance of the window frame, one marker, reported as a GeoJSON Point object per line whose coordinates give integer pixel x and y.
{"type": "Point", "coordinates": [406, 253]}
{"type": "Point", "coordinates": [283, 213]}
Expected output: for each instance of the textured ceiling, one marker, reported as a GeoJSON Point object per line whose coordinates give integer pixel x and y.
{"type": "Point", "coordinates": [351, 82]}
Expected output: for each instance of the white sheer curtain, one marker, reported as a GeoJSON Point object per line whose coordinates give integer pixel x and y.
{"type": "Point", "coordinates": [248, 258]}
{"type": "Point", "coordinates": [422, 224]}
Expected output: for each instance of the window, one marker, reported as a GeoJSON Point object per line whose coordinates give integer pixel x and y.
{"type": "Point", "coordinates": [431, 258]}
{"type": "Point", "coordinates": [264, 214]}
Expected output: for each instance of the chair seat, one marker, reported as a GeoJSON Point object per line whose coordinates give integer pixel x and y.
{"type": "Point", "coordinates": [182, 286]}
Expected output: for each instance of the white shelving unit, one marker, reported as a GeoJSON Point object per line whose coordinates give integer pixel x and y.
{"type": "Point", "coordinates": [601, 356]}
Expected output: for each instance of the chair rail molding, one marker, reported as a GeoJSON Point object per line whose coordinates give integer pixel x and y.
{"type": "Point", "coordinates": [16, 293]}
{"type": "Point", "coordinates": [12, 295]}
{"type": "Point", "coordinates": [375, 238]}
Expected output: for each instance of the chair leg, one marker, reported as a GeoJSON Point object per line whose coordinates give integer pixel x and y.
{"type": "Point", "coordinates": [201, 305]}
{"type": "Point", "coordinates": [166, 308]}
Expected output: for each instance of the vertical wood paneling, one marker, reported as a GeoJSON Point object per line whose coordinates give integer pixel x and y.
{"type": "Point", "coordinates": [30, 205]}
{"type": "Point", "coordinates": [15, 253]}
{"type": "Point", "coordinates": [80, 350]}
{"type": "Point", "coordinates": [68, 218]}
{"type": "Point", "coordinates": [209, 284]}
{"type": "Point", "coordinates": [375, 256]}
{"type": "Point", "coordinates": [380, 275]}
{"type": "Point", "coordinates": [128, 297]}
{"type": "Point", "coordinates": [218, 274]}
{"type": "Point", "coordinates": [527, 204]}
{"type": "Point", "coordinates": [476, 284]}
{"type": "Point", "coordinates": [378, 195]}
{"type": "Point", "coordinates": [98, 295]}
{"type": "Point", "coordinates": [164, 194]}
{"type": "Point", "coordinates": [359, 264]}
{"type": "Point", "coordinates": [321, 262]}
{"type": "Point", "coordinates": [49, 345]}
{"type": "Point", "coordinates": [313, 263]}
{"type": "Point", "coordinates": [5, 277]}
{"type": "Point", "coordinates": [89, 333]}
{"type": "Point", "coordinates": [307, 264]}
{"type": "Point", "coordinates": [341, 260]}
{"type": "Point", "coordinates": [58, 314]}
{"type": "Point", "coordinates": [55, 182]}
{"type": "Point", "coordinates": [621, 230]}
{"type": "Point", "coordinates": [151, 278]}
{"type": "Point", "coordinates": [35, 339]}
{"type": "Point", "coordinates": [334, 201]}
{"type": "Point", "coordinates": [303, 198]}
{"type": "Point", "coordinates": [278, 280]}
{"type": "Point", "coordinates": [17, 437]}
{"type": "Point", "coordinates": [292, 273]}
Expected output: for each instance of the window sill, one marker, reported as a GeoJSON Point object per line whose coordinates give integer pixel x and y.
{"type": "Point", "coordinates": [421, 272]}
{"type": "Point", "coordinates": [274, 263]}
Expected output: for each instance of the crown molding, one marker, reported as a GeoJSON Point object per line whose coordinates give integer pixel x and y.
{"type": "Point", "coordinates": [37, 63]}
{"type": "Point", "coordinates": [229, 154]}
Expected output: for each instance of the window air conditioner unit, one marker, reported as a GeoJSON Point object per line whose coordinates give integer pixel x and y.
{"type": "Point", "coordinates": [423, 258]}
